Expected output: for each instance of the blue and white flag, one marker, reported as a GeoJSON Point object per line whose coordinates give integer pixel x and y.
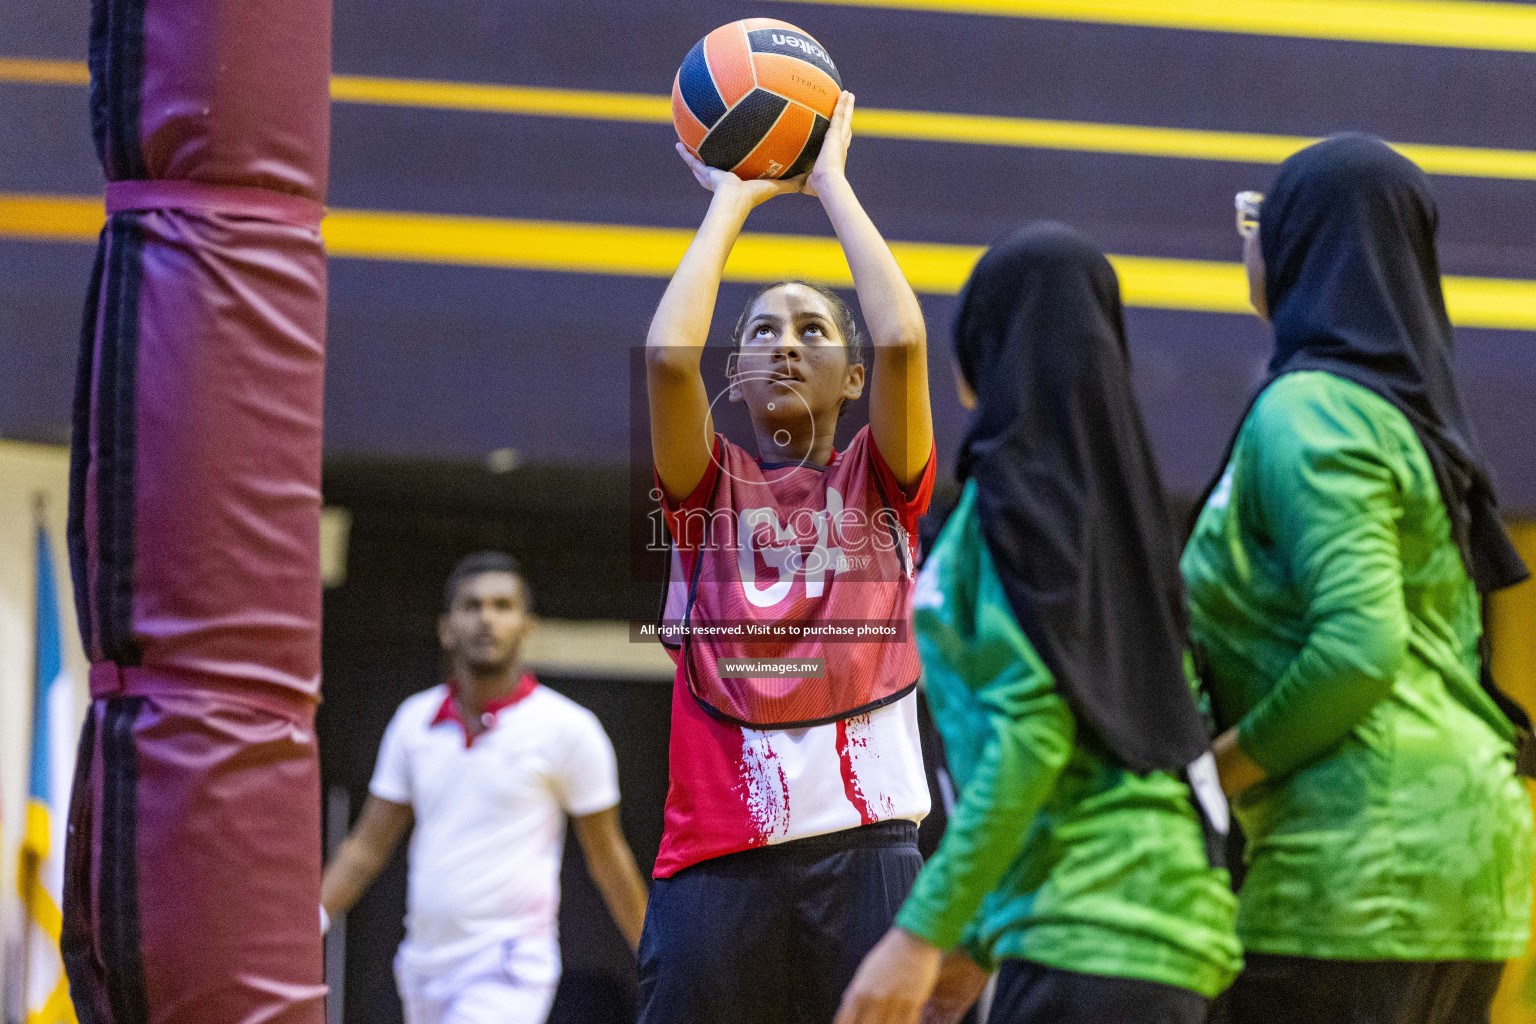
{"type": "Point", "coordinates": [46, 990]}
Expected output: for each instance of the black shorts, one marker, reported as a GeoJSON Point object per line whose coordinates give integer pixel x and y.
{"type": "Point", "coordinates": [1306, 990]}
{"type": "Point", "coordinates": [772, 935]}
{"type": "Point", "coordinates": [1031, 993]}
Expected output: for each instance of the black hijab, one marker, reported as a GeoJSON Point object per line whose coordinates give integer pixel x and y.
{"type": "Point", "coordinates": [1068, 494]}
{"type": "Point", "coordinates": [1352, 280]}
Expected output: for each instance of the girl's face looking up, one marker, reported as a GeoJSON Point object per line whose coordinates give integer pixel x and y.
{"type": "Point", "coordinates": [792, 366]}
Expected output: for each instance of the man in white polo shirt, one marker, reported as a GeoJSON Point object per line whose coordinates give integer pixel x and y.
{"type": "Point", "coordinates": [488, 765]}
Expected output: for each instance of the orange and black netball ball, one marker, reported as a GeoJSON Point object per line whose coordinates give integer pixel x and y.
{"type": "Point", "coordinates": [755, 97]}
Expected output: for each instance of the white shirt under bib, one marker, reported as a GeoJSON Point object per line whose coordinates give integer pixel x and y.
{"type": "Point", "coordinates": [490, 816]}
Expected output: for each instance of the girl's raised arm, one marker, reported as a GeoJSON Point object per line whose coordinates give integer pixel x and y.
{"type": "Point", "coordinates": [682, 430]}
{"type": "Point", "coordinates": [900, 418]}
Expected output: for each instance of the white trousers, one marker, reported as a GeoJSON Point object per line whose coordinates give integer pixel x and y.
{"type": "Point", "coordinates": [511, 982]}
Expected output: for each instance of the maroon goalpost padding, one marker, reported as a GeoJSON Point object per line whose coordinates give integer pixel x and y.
{"type": "Point", "coordinates": [193, 861]}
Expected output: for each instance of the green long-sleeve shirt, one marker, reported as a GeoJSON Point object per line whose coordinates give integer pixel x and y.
{"type": "Point", "coordinates": [1053, 854]}
{"type": "Point", "coordinates": [1342, 633]}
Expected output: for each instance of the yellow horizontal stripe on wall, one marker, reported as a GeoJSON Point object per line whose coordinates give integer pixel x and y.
{"type": "Point", "coordinates": [51, 218]}
{"type": "Point", "coordinates": [1147, 281]}
{"type": "Point", "coordinates": [1461, 24]}
{"type": "Point", "coordinates": [44, 72]}
{"type": "Point", "coordinates": [502, 99]}
{"type": "Point", "coordinates": [910, 125]}
{"type": "Point", "coordinates": [1464, 24]}
{"type": "Point", "coordinates": [1179, 143]}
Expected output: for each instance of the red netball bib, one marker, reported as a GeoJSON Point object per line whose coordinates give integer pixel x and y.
{"type": "Point", "coordinates": [810, 568]}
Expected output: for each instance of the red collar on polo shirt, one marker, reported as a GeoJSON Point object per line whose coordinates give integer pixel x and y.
{"type": "Point", "coordinates": [448, 711]}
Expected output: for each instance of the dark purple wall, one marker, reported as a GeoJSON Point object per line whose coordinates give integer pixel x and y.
{"type": "Point", "coordinates": [454, 362]}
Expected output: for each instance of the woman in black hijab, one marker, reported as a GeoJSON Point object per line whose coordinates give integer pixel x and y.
{"type": "Point", "coordinates": [1050, 623]}
{"type": "Point", "coordinates": [1334, 577]}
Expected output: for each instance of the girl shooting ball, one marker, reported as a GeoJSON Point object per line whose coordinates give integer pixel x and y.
{"type": "Point", "coordinates": [790, 836]}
